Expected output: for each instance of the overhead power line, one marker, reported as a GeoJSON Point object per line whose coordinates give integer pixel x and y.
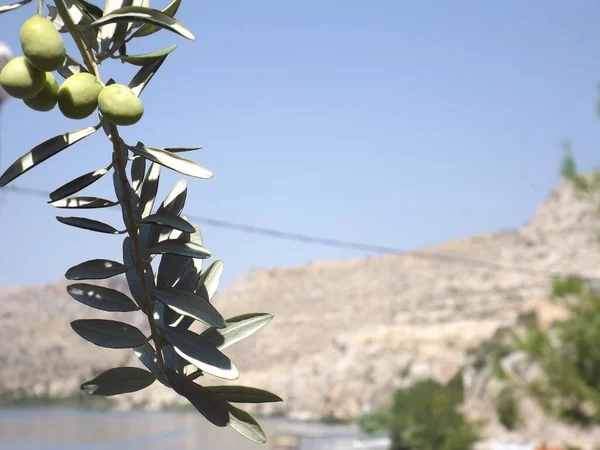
{"type": "Point", "coordinates": [350, 245]}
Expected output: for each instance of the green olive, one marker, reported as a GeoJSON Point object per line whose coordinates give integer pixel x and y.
{"type": "Point", "coordinates": [20, 79]}
{"type": "Point", "coordinates": [78, 95]}
{"type": "Point", "coordinates": [47, 98]}
{"type": "Point", "coordinates": [42, 44]}
{"type": "Point", "coordinates": [119, 105]}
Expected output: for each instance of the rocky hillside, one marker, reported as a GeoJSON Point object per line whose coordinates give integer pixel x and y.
{"type": "Point", "coordinates": [345, 333]}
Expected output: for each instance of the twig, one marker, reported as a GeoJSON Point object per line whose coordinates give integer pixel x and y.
{"type": "Point", "coordinates": [133, 231]}
{"type": "Point", "coordinates": [89, 59]}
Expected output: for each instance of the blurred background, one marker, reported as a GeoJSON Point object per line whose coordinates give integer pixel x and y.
{"type": "Point", "coordinates": [386, 183]}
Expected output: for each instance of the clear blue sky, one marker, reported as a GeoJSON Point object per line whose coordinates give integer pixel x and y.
{"type": "Point", "coordinates": [391, 122]}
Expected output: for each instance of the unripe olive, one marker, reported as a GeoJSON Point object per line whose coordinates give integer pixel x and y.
{"type": "Point", "coordinates": [78, 95]}
{"type": "Point", "coordinates": [119, 105]}
{"type": "Point", "coordinates": [47, 98]}
{"type": "Point", "coordinates": [20, 79]}
{"type": "Point", "coordinates": [42, 44]}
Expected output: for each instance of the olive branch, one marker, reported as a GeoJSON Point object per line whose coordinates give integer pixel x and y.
{"type": "Point", "coordinates": [179, 294]}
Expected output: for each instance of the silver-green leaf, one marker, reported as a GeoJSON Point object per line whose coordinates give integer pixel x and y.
{"type": "Point", "coordinates": [71, 67]}
{"type": "Point", "coordinates": [88, 224]}
{"type": "Point", "coordinates": [143, 76]}
{"type": "Point", "coordinates": [171, 221]}
{"type": "Point", "coordinates": [108, 333]}
{"type": "Point", "coordinates": [182, 149]}
{"type": "Point", "coordinates": [171, 267]}
{"type": "Point", "coordinates": [106, 33]}
{"type": "Point", "coordinates": [148, 29]}
{"type": "Point", "coordinates": [201, 353]}
{"type": "Point", "coordinates": [91, 9]}
{"type": "Point", "coordinates": [120, 380]}
{"type": "Point", "coordinates": [42, 152]}
{"type": "Point", "coordinates": [173, 161]}
{"type": "Point", "coordinates": [173, 204]}
{"type": "Point", "coordinates": [244, 394]}
{"type": "Point", "coordinates": [147, 58]}
{"type": "Point", "coordinates": [209, 280]}
{"type": "Point", "coordinates": [180, 247]}
{"type": "Point", "coordinates": [236, 329]}
{"type": "Point", "coordinates": [95, 269]}
{"type": "Point", "coordinates": [246, 425]}
{"type": "Point", "coordinates": [102, 298]}
{"type": "Point", "coordinates": [172, 359]}
{"type": "Point", "coordinates": [148, 357]}
{"type": "Point", "coordinates": [133, 279]}
{"type": "Point", "coordinates": [12, 6]}
{"type": "Point", "coordinates": [189, 304]}
{"type": "Point", "coordinates": [84, 203]}
{"type": "Point", "coordinates": [78, 184]}
{"type": "Point", "coordinates": [211, 406]}
{"type": "Point", "coordinates": [149, 189]}
{"type": "Point", "coordinates": [138, 171]}
{"type": "Point", "coordinates": [147, 15]}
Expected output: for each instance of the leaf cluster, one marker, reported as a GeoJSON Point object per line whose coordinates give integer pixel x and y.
{"type": "Point", "coordinates": [163, 254]}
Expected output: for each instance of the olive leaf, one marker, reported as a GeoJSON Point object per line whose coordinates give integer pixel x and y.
{"type": "Point", "coordinates": [78, 184]}
{"type": "Point", "coordinates": [146, 354]}
{"type": "Point", "coordinates": [8, 8]}
{"type": "Point", "coordinates": [95, 269]}
{"type": "Point", "coordinates": [133, 279]}
{"type": "Point", "coordinates": [108, 333]}
{"type": "Point", "coordinates": [246, 425]}
{"type": "Point", "coordinates": [236, 329]}
{"type": "Point", "coordinates": [173, 204]}
{"type": "Point", "coordinates": [147, 58]}
{"type": "Point", "coordinates": [149, 190]}
{"type": "Point", "coordinates": [171, 267]}
{"type": "Point", "coordinates": [83, 203]}
{"type": "Point", "coordinates": [180, 247]}
{"type": "Point", "coordinates": [244, 394]}
{"type": "Point", "coordinates": [182, 149]}
{"type": "Point", "coordinates": [102, 298]}
{"type": "Point", "coordinates": [88, 224]}
{"type": "Point", "coordinates": [79, 16]}
{"type": "Point", "coordinates": [196, 238]}
{"type": "Point", "coordinates": [189, 304]}
{"type": "Point", "coordinates": [198, 351]}
{"type": "Point", "coordinates": [71, 67]}
{"type": "Point", "coordinates": [148, 29]}
{"type": "Point", "coordinates": [211, 406]}
{"type": "Point", "coordinates": [143, 76]}
{"type": "Point", "coordinates": [91, 9]}
{"type": "Point", "coordinates": [119, 39]}
{"type": "Point", "coordinates": [171, 221]}
{"type": "Point", "coordinates": [43, 151]}
{"type": "Point", "coordinates": [120, 380]}
{"type": "Point", "coordinates": [173, 161]}
{"type": "Point", "coordinates": [173, 360]}
{"type": "Point", "coordinates": [134, 200]}
{"type": "Point", "coordinates": [129, 14]}
{"type": "Point", "coordinates": [56, 19]}
{"type": "Point", "coordinates": [106, 34]}
{"type": "Point", "coordinates": [210, 279]}
{"type": "Point", "coordinates": [138, 171]}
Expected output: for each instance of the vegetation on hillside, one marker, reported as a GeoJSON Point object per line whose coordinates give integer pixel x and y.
{"type": "Point", "coordinates": [425, 416]}
{"type": "Point", "coordinates": [567, 353]}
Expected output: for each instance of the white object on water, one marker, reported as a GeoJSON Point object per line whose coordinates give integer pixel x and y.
{"type": "Point", "coordinates": [5, 56]}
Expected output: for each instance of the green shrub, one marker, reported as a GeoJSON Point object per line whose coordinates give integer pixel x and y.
{"type": "Point", "coordinates": [426, 417]}
{"type": "Point", "coordinates": [374, 422]}
{"type": "Point", "coordinates": [507, 408]}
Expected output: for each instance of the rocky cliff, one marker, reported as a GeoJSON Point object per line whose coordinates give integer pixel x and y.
{"type": "Point", "coordinates": [345, 333]}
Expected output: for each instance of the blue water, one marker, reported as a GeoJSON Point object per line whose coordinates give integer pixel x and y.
{"type": "Point", "coordinates": [78, 430]}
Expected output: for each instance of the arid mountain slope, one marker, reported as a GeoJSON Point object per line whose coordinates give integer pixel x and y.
{"type": "Point", "coordinates": [345, 332]}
